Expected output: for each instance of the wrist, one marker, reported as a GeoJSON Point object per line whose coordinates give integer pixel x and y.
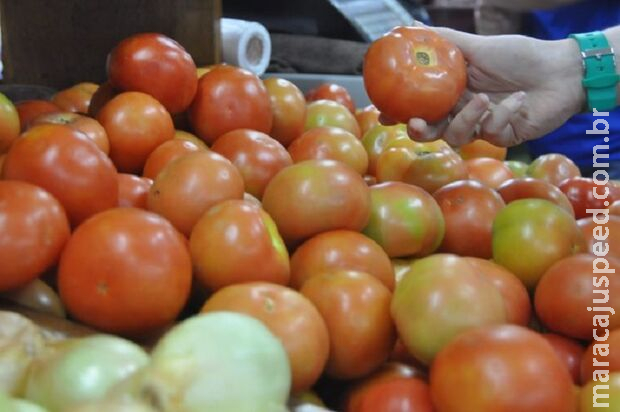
{"type": "Point", "coordinates": [570, 72]}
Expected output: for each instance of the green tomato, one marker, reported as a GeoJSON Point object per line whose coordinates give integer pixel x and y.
{"type": "Point", "coordinates": [518, 168]}
{"type": "Point", "coordinates": [586, 395]}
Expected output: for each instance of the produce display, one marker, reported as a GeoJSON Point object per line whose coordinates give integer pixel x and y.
{"type": "Point", "coordinates": [196, 239]}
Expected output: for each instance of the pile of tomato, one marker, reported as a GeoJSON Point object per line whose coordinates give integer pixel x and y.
{"type": "Point", "coordinates": [397, 275]}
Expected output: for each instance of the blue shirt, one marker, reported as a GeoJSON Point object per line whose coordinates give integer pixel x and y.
{"type": "Point", "coordinates": [571, 139]}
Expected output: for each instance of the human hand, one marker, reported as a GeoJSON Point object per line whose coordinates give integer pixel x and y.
{"type": "Point", "coordinates": [519, 88]}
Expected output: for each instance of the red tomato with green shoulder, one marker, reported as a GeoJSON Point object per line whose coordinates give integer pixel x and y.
{"type": "Point", "coordinates": [9, 123]}
{"type": "Point", "coordinates": [289, 109]}
{"type": "Point", "coordinates": [553, 168]}
{"type": "Point", "coordinates": [332, 114]}
{"type": "Point", "coordinates": [332, 91]}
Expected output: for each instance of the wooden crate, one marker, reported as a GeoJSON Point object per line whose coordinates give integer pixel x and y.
{"type": "Point", "coordinates": [63, 42]}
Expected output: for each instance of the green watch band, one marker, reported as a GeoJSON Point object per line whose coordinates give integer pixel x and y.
{"type": "Point", "coordinates": [599, 63]}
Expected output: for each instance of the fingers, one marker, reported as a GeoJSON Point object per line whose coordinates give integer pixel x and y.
{"type": "Point", "coordinates": [421, 131]}
{"type": "Point", "coordinates": [497, 126]}
{"type": "Point", "coordinates": [386, 121]}
{"type": "Point", "coordinates": [464, 125]}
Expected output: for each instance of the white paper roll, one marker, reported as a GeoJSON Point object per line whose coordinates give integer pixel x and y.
{"type": "Point", "coordinates": [246, 44]}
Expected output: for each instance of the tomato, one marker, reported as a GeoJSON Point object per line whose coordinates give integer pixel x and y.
{"type": "Point", "coordinates": [468, 208]}
{"type": "Point", "coordinates": [133, 190]}
{"type": "Point", "coordinates": [257, 156]}
{"type": "Point", "coordinates": [2, 158]}
{"type": "Point", "coordinates": [340, 249]}
{"type": "Point", "coordinates": [230, 98]}
{"type": "Point", "coordinates": [614, 208]}
{"type": "Point", "coordinates": [491, 172]}
{"type": "Point", "coordinates": [188, 186]}
{"type": "Point", "coordinates": [67, 164]}
{"type": "Point", "coordinates": [567, 289]}
{"type": "Point", "coordinates": [540, 231]}
{"type": "Point", "coordinates": [28, 110]}
{"type": "Point", "coordinates": [235, 241]}
{"type": "Point", "coordinates": [430, 300]}
{"type": "Point", "coordinates": [33, 231]}
{"type": "Point", "coordinates": [580, 191]}
{"type": "Point", "coordinates": [289, 109]}
{"type": "Point", "coordinates": [157, 65]}
{"type": "Point", "coordinates": [500, 368]}
{"type": "Point", "coordinates": [607, 232]}
{"type": "Point", "coordinates": [569, 351]}
{"type": "Point", "coordinates": [330, 143]}
{"type": "Point", "coordinates": [330, 113]}
{"type": "Point", "coordinates": [367, 118]}
{"type": "Point", "coordinates": [136, 124]}
{"type": "Point", "coordinates": [553, 168]}
{"type": "Point", "coordinates": [187, 136]}
{"type": "Point", "coordinates": [530, 188]}
{"type": "Point", "coordinates": [138, 277]}
{"type": "Point", "coordinates": [76, 98]}
{"type": "Point", "coordinates": [607, 395]}
{"type": "Point", "coordinates": [599, 353]}
{"type": "Point", "coordinates": [344, 298]}
{"type": "Point", "coordinates": [316, 196]}
{"type": "Point", "coordinates": [9, 123]}
{"type": "Point", "coordinates": [290, 317]}
{"type": "Point", "coordinates": [392, 395]}
{"type": "Point", "coordinates": [377, 139]}
{"type": "Point", "coordinates": [516, 298]}
{"type": "Point", "coordinates": [166, 153]}
{"type": "Point", "coordinates": [482, 148]}
{"type": "Point", "coordinates": [104, 94]}
{"type": "Point", "coordinates": [413, 72]}
{"type": "Point", "coordinates": [87, 125]}
{"type": "Point", "coordinates": [405, 220]}
{"type": "Point", "coordinates": [518, 168]}
{"type": "Point", "coordinates": [332, 91]}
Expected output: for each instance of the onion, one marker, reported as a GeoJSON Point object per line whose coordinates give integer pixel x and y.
{"type": "Point", "coordinates": [81, 370]}
{"type": "Point", "coordinates": [8, 404]}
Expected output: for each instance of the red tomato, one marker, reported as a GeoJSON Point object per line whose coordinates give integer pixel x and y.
{"type": "Point", "coordinates": [516, 298]}
{"type": "Point", "coordinates": [367, 118]}
{"type": "Point", "coordinates": [553, 168]}
{"type": "Point", "coordinates": [187, 136]}
{"type": "Point", "coordinates": [316, 196]}
{"type": "Point", "coordinates": [468, 208]}
{"type": "Point", "coordinates": [33, 231]}
{"type": "Point", "coordinates": [530, 235]}
{"type": "Point", "coordinates": [429, 301]}
{"type": "Point", "coordinates": [340, 249]}
{"type": "Point", "coordinates": [392, 395]}
{"type": "Point", "coordinates": [614, 208]}
{"type": "Point", "coordinates": [377, 139]}
{"type": "Point", "coordinates": [482, 148]}
{"type": "Point", "coordinates": [166, 153]}
{"type": "Point", "coordinates": [500, 368]}
{"type": "Point", "coordinates": [157, 65]}
{"type": "Point", "coordinates": [290, 317]}
{"type": "Point", "coordinates": [188, 186]}
{"type": "Point", "coordinates": [580, 191]}
{"type": "Point", "coordinates": [330, 143]}
{"type": "Point", "coordinates": [230, 98]}
{"type": "Point", "coordinates": [28, 110]}
{"type": "Point", "coordinates": [9, 123]}
{"type": "Point", "coordinates": [257, 156]}
{"type": "Point", "coordinates": [2, 158]}
{"type": "Point", "coordinates": [133, 191]}
{"type": "Point", "coordinates": [567, 289]}
{"type": "Point", "coordinates": [413, 72]}
{"type": "Point", "coordinates": [405, 220]}
{"type": "Point", "coordinates": [608, 234]}
{"type": "Point", "coordinates": [569, 351]}
{"type": "Point", "coordinates": [139, 272]}
{"type": "Point", "coordinates": [235, 241]}
{"type": "Point", "coordinates": [334, 92]}
{"type": "Point", "coordinates": [607, 351]}
{"type": "Point", "coordinates": [75, 99]}
{"type": "Point", "coordinates": [136, 124]}
{"type": "Point", "coordinates": [87, 125]}
{"type": "Point", "coordinates": [530, 188]}
{"type": "Point", "coordinates": [289, 110]}
{"type": "Point", "coordinates": [490, 172]}
{"type": "Point", "coordinates": [344, 298]}
{"type": "Point", "coordinates": [330, 113]}
{"type": "Point", "coordinates": [67, 164]}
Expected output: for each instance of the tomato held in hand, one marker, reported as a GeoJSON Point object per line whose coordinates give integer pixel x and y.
{"type": "Point", "coordinates": [67, 164]}
{"type": "Point", "coordinates": [290, 316]}
{"type": "Point", "coordinates": [530, 188]}
{"type": "Point", "coordinates": [501, 368]}
{"type": "Point", "coordinates": [33, 231]}
{"type": "Point", "coordinates": [413, 72]}
{"type": "Point", "coordinates": [139, 272]}
{"type": "Point", "coordinates": [289, 110]}
{"type": "Point", "coordinates": [230, 98]}
{"type": "Point", "coordinates": [334, 92]}
{"type": "Point", "coordinates": [133, 191]}
{"type": "Point", "coordinates": [154, 64]}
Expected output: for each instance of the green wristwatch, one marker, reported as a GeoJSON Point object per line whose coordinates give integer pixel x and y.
{"type": "Point", "coordinates": [599, 63]}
